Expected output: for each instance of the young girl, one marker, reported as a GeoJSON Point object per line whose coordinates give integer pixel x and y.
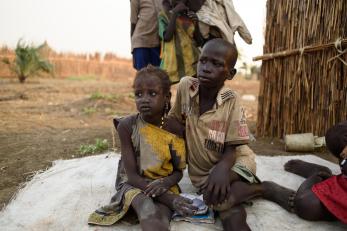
{"type": "Point", "coordinates": [180, 38]}
{"type": "Point", "coordinates": [153, 157]}
{"type": "Point", "coordinates": [322, 196]}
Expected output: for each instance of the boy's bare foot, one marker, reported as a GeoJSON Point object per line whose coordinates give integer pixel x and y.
{"type": "Point", "coordinates": [241, 192]}
{"type": "Point", "coordinates": [305, 169]}
{"type": "Point", "coordinates": [278, 194]}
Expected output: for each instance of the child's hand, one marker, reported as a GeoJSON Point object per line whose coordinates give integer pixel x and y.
{"type": "Point", "coordinates": [156, 188]}
{"type": "Point", "coordinates": [217, 187]}
{"type": "Point", "coordinates": [184, 206]}
{"type": "Point", "coordinates": [343, 156]}
{"type": "Point", "coordinates": [192, 15]}
{"type": "Point", "coordinates": [180, 7]}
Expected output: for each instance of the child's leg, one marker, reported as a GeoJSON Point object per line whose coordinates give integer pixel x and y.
{"type": "Point", "coordinates": [307, 205]}
{"type": "Point", "coordinates": [234, 219]}
{"type": "Point", "coordinates": [305, 169]}
{"type": "Point", "coordinates": [303, 202]}
{"type": "Point", "coordinates": [241, 192]}
{"type": "Point", "coordinates": [152, 215]}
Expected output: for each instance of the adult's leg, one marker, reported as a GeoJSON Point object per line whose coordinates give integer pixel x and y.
{"type": "Point", "coordinates": [305, 169]}
{"type": "Point", "coordinates": [234, 219]}
{"type": "Point", "coordinates": [155, 56]}
{"type": "Point", "coordinates": [141, 57]}
{"type": "Point", "coordinates": [152, 215]}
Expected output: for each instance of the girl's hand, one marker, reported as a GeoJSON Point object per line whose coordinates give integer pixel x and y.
{"type": "Point", "coordinates": [156, 188]}
{"type": "Point", "coordinates": [184, 206]}
{"type": "Point", "coordinates": [192, 15]}
{"type": "Point", "coordinates": [180, 7]}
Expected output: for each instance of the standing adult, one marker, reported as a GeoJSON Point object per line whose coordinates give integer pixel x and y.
{"type": "Point", "coordinates": [145, 45]}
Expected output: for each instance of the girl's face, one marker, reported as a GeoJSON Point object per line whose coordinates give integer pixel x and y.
{"type": "Point", "coordinates": [149, 97]}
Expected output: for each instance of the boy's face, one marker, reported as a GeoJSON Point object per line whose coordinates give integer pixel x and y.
{"type": "Point", "coordinates": [213, 68]}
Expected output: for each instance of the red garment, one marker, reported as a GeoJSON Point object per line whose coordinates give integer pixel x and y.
{"type": "Point", "coordinates": [333, 194]}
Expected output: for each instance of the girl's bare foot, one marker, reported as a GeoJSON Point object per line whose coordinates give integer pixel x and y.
{"type": "Point", "coordinates": [305, 169]}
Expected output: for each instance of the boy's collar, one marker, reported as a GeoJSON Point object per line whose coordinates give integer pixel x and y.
{"type": "Point", "coordinates": [223, 95]}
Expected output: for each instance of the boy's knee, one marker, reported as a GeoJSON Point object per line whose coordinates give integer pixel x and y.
{"type": "Point", "coordinates": [233, 213]}
{"type": "Point", "coordinates": [234, 219]}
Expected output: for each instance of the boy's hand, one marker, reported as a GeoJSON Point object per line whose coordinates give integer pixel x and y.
{"type": "Point", "coordinates": [217, 187]}
{"type": "Point", "coordinates": [184, 206]}
{"type": "Point", "coordinates": [180, 7]}
{"type": "Point", "coordinates": [192, 15]}
{"type": "Point", "coordinates": [156, 188]}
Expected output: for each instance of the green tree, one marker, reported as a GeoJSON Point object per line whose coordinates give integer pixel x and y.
{"type": "Point", "coordinates": [28, 61]}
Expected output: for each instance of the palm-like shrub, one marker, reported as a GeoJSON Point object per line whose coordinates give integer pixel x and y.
{"type": "Point", "coordinates": [28, 61]}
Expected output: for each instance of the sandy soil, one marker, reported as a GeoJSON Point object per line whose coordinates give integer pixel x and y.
{"type": "Point", "coordinates": [48, 119]}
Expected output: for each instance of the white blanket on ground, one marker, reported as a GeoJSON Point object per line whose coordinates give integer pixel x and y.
{"type": "Point", "coordinates": [62, 198]}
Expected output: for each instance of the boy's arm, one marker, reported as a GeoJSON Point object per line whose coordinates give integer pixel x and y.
{"type": "Point", "coordinates": [217, 186]}
{"type": "Point", "coordinates": [134, 12]}
{"type": "Point", "coordinates": [132, 29]}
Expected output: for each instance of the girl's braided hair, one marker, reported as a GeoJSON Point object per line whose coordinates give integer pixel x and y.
{"type": "Point", "coordinates": [156, 71]}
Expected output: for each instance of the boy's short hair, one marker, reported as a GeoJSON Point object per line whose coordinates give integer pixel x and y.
{"type": "Point", "coordinates": [156, 71]}
{"type": "Point", "coordinates": [231, 48]}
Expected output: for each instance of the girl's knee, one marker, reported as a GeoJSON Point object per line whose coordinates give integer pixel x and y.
{"type": "Point", "coordinates": [149, 214]}
{"type": "Point", "coordinates": [145, 208]}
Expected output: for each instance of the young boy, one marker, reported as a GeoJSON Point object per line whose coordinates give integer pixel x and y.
{"type": "Point", "coordinates": [219, 162]}
{"type": "Point", "coordinates": [145, 45]}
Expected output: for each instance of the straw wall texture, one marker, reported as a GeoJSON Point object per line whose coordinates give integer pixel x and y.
{"type": "Point", "coordinates": [304, 90]}
{"type": "Point", "coordinates": [66, 65]}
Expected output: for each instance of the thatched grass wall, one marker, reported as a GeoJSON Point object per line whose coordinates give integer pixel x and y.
{"type": "Point", "coordinates": [304, 70]}
{"type": "Point", "coordinates": [69, 64]}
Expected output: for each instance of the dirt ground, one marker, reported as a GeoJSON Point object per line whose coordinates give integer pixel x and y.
{"type": "Point", "coordinates": [47, 119]}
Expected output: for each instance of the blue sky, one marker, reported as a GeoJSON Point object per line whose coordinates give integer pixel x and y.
{"type": "Point", "coordinates": [85, 26]}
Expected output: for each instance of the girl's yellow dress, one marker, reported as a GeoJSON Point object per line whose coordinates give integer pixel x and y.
{"type": "Point", "coordinates": [154, 149]}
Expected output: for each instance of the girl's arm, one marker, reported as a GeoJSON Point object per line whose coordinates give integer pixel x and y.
{"type": "Point", "coordinates": [171, 28]}
{"type": "Point", "coordinates": [128, 156]}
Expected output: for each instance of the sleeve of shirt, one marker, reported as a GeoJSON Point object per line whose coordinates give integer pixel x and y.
{"type": "Point", "coordinates": [134, 11]}
{"type": "Point", "coordinates": [176, 109]}
{"type": "Point", "coordinates": [237, 132]}
{"type": "Point", "coordinates": [162, 24]}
